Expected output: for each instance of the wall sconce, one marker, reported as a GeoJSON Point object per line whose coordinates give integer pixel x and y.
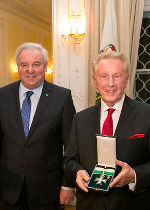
{"type": "Point", "coordinates": [49, 74]}
{"type": "Point", "coordinates": [14, 70]}
{"type": "Point", "coordinates": [74, 30]}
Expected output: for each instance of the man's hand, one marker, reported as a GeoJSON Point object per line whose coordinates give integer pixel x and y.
{"type": "Point", "coordinates": [66, 196]}
{"type": "Point", "coordinates": [82, 179]}
{"type": "Point", "coordinates": [125, 177]}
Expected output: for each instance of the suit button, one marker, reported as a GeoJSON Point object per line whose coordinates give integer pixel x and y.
{"type": "Point", "coordinates": [26, 148]}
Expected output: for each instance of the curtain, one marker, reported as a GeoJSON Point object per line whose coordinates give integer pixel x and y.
{"type": "Point", "coordinates": [136, 14]}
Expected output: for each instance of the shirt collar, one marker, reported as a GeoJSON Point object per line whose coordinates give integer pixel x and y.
{"type": "Point", "coordinates": [117, 106]}
{"type": "Point", "coordinates": [23, 90]}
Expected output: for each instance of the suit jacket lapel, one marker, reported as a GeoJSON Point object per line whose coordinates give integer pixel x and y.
{"type": "Point", "coordinates": [127, 116]}
{"type": "Point", "coordinates": [15, 108]}
{"type": "Point", "coordinates": [46, 94]}
{"type": "Point", "coordinates": [94, 129]}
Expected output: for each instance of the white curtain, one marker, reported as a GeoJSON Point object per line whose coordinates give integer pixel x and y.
{"type": "Point", "coordinates": [137, 7]}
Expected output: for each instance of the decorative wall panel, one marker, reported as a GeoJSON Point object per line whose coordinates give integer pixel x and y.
{"type": "Point", "coordinates": [69, 56]}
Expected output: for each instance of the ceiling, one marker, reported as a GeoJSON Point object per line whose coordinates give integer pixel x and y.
{"type": "Point", "coordinates": [41, 6]}
{"type": "Point", "coordinates": [39, 9]}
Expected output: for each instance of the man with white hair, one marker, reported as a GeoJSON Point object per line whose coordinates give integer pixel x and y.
{"type": "Point", "coordinates": [126, 119]}
{"type": "Point", "coordinates": [35, 121]}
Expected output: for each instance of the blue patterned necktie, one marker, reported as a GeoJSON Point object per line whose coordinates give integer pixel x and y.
{"type": "Point", "coordinates": [26, 111]}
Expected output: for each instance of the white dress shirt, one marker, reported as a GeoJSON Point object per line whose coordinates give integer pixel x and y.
{"type": "Point", "coordinates": [115, 114]}
{"type": "Point", "coordinates": [115, 118]}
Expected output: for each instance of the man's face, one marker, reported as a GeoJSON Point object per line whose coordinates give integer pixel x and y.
{"type": "Point", "coordinates": [110, 80]}
{"type": "Point", "coordinates": [31, 68]}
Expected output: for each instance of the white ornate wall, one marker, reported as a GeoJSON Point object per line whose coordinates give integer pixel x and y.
{"type": "Point", "coordinates": [69, 58]}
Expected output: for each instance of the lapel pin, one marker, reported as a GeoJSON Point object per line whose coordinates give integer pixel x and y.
{"type": "Point", "coordinates": [46, 94]}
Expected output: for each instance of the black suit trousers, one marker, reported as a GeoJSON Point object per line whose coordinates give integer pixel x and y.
{"type": "Point", "coordinates": [24, 203]}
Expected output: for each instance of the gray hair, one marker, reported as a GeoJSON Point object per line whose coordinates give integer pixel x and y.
{"type": "Point", "coordinates": [32, 46]}
{"type": "Point", "coordinates": [114, 55]}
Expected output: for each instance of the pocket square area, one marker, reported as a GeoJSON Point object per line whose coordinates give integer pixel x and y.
{"type": "Point", "coordinates": [137, 136]}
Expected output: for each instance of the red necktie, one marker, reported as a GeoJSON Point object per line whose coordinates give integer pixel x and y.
{"type": "Point", "coordinates": [108, 124]}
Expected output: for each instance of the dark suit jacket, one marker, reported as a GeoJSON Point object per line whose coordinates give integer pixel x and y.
{"type": "Point", "coordinates": [81, 154]}
{"type": "Point", "coordinates": [36, 159]}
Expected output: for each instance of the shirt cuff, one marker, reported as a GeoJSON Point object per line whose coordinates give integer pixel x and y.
{"type": "Point", "coordinates": [132, 186]}
{"type": "Point", "coordinates": [67, 188]}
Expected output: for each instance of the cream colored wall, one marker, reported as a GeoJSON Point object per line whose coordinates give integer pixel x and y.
{"type": "Point", "coordinates": [17, 27]}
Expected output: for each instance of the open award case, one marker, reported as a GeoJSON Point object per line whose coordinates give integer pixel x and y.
{"type": "Point", "coordinates": [104, 170]}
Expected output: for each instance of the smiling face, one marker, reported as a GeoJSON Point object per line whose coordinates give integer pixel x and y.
{"type": "Point", "coordinates": [110, 80]}
{"type": "Point", "coordinates": [31, 68]}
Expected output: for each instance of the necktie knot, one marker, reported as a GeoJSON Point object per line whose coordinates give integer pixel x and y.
{"type": "Point", "coordinates": [110, 111]}
{"type": "Point", "coordinates": [29, 94]}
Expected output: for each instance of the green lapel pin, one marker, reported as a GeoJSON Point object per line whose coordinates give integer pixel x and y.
{"type": "Point", "coordinates": [46, 94]}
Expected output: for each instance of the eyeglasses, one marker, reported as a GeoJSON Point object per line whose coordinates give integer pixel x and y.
{"type": "Point", "coordinates": [25, 66]}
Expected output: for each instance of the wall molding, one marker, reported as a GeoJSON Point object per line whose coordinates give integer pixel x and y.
{"type": "Point", "coordinates": [24, 11]}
